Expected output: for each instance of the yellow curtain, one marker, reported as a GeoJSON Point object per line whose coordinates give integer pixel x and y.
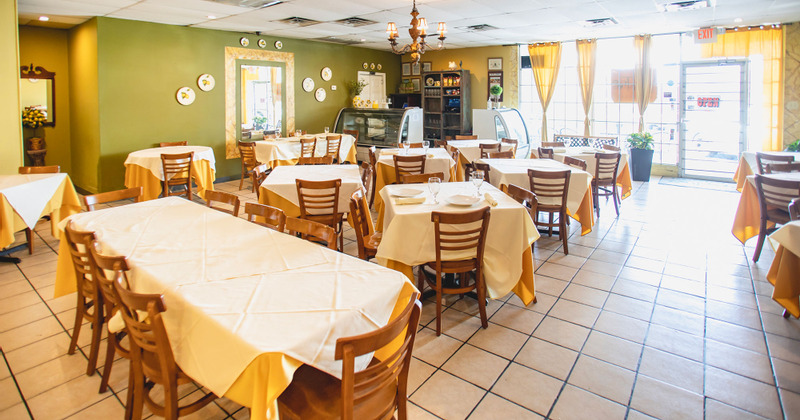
{"type": "Point", "coordinates": [642, 75]}
{"type": "Point", "coordinates": [768, 43]}
{"type": "Point", "coordinates": [587, 62]}
{"type": "Point", "coordinates": [545, 61]}
{"type": "Point", "coordinates": [248, 74]}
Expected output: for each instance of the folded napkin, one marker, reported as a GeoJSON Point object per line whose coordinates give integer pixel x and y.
{"type": "Point", "coordinates": [489, 199]}
{"type": "Point", "coordinates": [389, 152]}
{"type": "Point", "coordinates": [409, 200]}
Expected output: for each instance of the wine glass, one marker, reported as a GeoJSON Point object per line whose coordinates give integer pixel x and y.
{"type": "Point", "coordinates": [425, 145]}
{"type": "Point", "coordinates": [434, 185]}
{"type": "Point", "coordinates": [477, 180]}
{"type": "Point", "coordinates": [327, 130]}
{"type": "Point", "coordinates": [405, 147]}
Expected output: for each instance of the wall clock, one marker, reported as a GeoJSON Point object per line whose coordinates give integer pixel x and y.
{"type": "Point", "coordinates": [326, 74]}
{"type": "Point", "coordinates": [206, 82]}
{"type": "Point", "coordinates": [308, 84]}
{"type": "Point", "coordinates": [320, 94]}
{"type": "Point", "coordinates": [262, 43]}
{"type": "Point", "coordinates": [185, 95]}
{"type": "Point", "coordinates": [244, 41]}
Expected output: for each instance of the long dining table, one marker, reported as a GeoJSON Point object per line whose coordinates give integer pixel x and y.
{"type": "Point", "coordinates": [143, 168]}
{"type": "Point", "coordinates": [285, 151]}
{"type": "Point", "coordinates": [246, 305]}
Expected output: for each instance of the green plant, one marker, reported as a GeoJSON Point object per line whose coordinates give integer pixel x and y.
{"type": "Point", "coordinates": [640, 141]}
{"type": "Point", "coordinates": [356, 86]}
{"type": "Point", "coordinates": [793, 147]}
{"type": "Point", "coordinates": [260, 123]}
{"type": "Point", "coordinates": [496, 90]}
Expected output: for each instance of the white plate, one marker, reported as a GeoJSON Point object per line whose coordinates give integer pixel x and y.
{"type": "Point", "coordinates": [462, 200]}
{"type": "Point", "coordinates": [407, 192]}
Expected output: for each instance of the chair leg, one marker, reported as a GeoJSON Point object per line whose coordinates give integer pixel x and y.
{"type": "Point", "coordinates": [596, 197]}
{"type": "Point", "coordinates": [76, 329]}
{"type": "Point", "coordinates": [137, 396]}
{"type": "Point", "coordinates": [438, 303]}
{"type": "Point", "coordinates": [110, 352]}
{"type": "Point", "coordinates": [562, 231]}
{"type": "Point", "coordinates": [481, 289]}
{"type": "Point", "coordinates": [762, 234]}
{"type": "Point", "coordinates": [616, 198]}
{"type": "Point", "coordinates": [29, 238]}
{"type": "Point", "coordinates": [97, 335]}
{"type": "Point", "coordinates": [241, 180]}
{"type": "Point", "coordinates": [550, 228]}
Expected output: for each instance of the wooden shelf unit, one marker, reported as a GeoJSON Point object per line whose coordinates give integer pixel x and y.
{"type": "Point", "coordinates": [446, 107]}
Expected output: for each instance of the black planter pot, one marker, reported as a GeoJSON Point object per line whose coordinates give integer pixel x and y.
{"type": "Point", "coordinates": [641, 162]}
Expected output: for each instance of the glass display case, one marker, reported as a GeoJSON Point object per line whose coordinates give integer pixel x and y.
{"type": "Point", "coordinates": [497, 124]}
{"type": "Point", "coordinates": [381, 127]}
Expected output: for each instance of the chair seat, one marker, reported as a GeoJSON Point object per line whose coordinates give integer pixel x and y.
{"type": "Point", "coordinates": [545, 207]}
{"type": "Point", "coordinates": [372, 241]}
{"type": "Point", "coordinates": [778, 216]}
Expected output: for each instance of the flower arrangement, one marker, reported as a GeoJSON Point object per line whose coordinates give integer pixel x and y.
{"type": "Point", "coordinates": [356, 87]}
{"type": "Point", "coordinates": [33, 117]}
{"type": "Point", "coordinates": [640, 141]}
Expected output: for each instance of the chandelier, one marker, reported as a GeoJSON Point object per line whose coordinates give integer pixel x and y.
{"type": "Point", "coordinates": [418, 32]}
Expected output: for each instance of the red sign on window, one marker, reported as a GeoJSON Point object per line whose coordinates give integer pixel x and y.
{"type": "Point", "coordinates": [708, 102]}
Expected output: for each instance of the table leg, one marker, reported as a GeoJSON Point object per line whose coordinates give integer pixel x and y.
{"type": "Point", "coordinates": [4, 258]}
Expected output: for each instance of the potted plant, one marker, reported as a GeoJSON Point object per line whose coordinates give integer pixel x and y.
{"type": "Point", "coordinates": [793, 147]}
{"type": "Point", "coordinates": [641, 146]}
{"type": "Point", "coordinates": [495, 91]}
{"type": "Point", "coordinates": [356, 87]}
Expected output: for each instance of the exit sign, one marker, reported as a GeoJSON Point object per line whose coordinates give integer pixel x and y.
{"type": "Point", "coordinates": [705, 36]}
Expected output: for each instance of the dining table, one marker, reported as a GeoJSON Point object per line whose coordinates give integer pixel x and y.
{"type": "Point", "coordinates": [280, 188]}
{"type": "Point", "coordinates": [471, 150]}
{"type": "Point", "coordinates": [784, 273]}
{"type": "Point", "coordinates": [747, 220]}
{"type": "Point", "coordinates": [579, 197]}
{"type": "Point", "coordinates": [748, 165]}
{"type": "Point", "coordinates": [587, 154]}
{"type": "Point", "coordinates": [143, 169]}
{"type": "Point", "coordinates": [408, 233]}
{"type": "Point", "coordinates": [245, 305]}
{"type": "Point", "coordinates": [26, 198]}
{"type": "Point", "coordinates": [437, 160]}
{"type": "Point", "coordinates": [285, 151]}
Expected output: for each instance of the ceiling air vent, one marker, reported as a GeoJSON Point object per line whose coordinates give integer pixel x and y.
{"type": "Point", "coordinates": [299, 21]}
{"type": "Point", "coordinates": [343, 41]}
{"type": "Point", "coordinates": [593, 23]}
{"type": "Point", "coordinates": [251, 4]}
{"type": "Point", "coordinates": [480, 28]}
{"type": "Point", "coordinates": [684, 5]}
{"type": "Point", "coordinates": [355, 22]}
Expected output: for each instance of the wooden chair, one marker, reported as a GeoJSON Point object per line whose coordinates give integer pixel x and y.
{"type": "Point", "coordinates": [551, 189]}
{"type": "Point", "coordinates": [465, 137]}
{"type": "Point", "coordinates": [152, 361]}
{"type": "Point", "coordinates": [774, 197]}
{"type": "Point", "coordinates": [611, 148]}
{"type": "Point", "coordinates": [774, 168]}
{"type": "Point", "coordinates": [440, 143]}
{"type": "Point", "coordinates": [514, 144]}
{"type": "Point", "coordinates": [366, 179]}
{"type": "Point", "coordinates": [359, 212]}
{"type": "Point", "coordinates": [408, 165]}
{"type": "Point", "coordinates": [173, 143]}
{"type": "Point", "coordinates": [420, 178]}
{"type": "Point", "coordinates": [259, 175]}
{"type": "Point", "coordinates": [90, 301]}
{"type": "Point", "coordinates": [508, 154]}
{"type": "Point", "coordinates": [457, 233]}
{"type": "Point", "coordinates": [794, 209]}
{"type": "Point", "coordinates": [308, 145]}
{"type": "Point", "coordinates": [247, 150]}
{"type": "Point", "coordinates": [373, 161]}
{"type": "Point", "coordinates": [470, 168]}
{"type": "Point", "coordinates": [53, 169]}
{"type": "Point", "coordinates": [415, 145]}
{"type": "Point", "coordinates": [546, 153]}
{"type": "Point", "coordinates": [604, 183]}
{"type": "Point", "coordinates": [575, 162]}
{"type": "Point", "coordinates": [319, 160]}
{"type": "Point", "coordinates": [177, 172]}
{"type": "Point", "coordinates": [224, 198]}
{"type": "Point", "coordinates": [274, 218]}
{"type": "Point", "coordinates": [312, 231]}
{"type": "Point", "coordinates": [353, 133]}
{"type": "Point", "coordinates": [334, 144]}
{"type": "Point", "coordinates": [319, 202]}
{"type": "Point", "coordinates": [763, 159]}
{"type": "Point", "coordinates": [489, 148]}
{"type": "Point", "coordinates": [373, 393]}
{"type": "Point", "coordinates": [525, 197]}
{"type": "Point", "coordinates": [107, 197]}
{"type": "Point", "coordinates": [552, 144]}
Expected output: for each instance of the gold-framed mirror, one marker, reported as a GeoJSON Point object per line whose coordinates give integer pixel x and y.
{"type": "Point", "coordinates": [37, 88]}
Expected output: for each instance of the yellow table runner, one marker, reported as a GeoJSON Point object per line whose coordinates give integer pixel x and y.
{"type": "Point", "coordinates": [137, 176]}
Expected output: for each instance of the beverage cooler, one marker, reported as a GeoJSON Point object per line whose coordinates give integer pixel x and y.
{"type": "Point", "coordinates": [497, 124]}
{"type": "Point", "coordinates": [380, 127]}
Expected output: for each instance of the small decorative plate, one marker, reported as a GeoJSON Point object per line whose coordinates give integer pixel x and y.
{"type": "Point", "coordinates": [380, 66]}
{"type": "Point", "coordinates": [462, 200]}
{"type": "Point", "coordinates": [406, 192]}
{"type": "Point", "coordinates": [244, 41]}
{"type": "Point", "coordinates": [185, 95]}
{"type": "Point", "coordinates": [365, 65]}
{"type": "Point", "coordinates": [320, 94]}
{"type": "Point", "coordinates": [429, 81]}
{"type": "Point", "coordinates": [372, 66]}
{"type": "Point", "coordinates": [279, 45]}
{"type": "Point", "coordinates": [262, 43]}
{"type": "Point", "coordinates": [326, 74]}
{"type": "Point", "coordinates": [308, 84]}
{"type": "Point", "coordinates": [205, 82]}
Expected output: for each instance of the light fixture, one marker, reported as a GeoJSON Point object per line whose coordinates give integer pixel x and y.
{"type": "Point", "coordinates": [44, 18]}
{"type": "Point", "coordinates": [418, 32]}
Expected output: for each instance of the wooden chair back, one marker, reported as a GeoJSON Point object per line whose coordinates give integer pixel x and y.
{"type": "Point", "coordinates": [312, 231]}
{"type": "Point", "coordinates": [353, 133]}
{"type": "Point", "coordinates": [525, 197]}
{"type": "Point", "coordinates": [173, 143]}
{"type": "Point", "coordinates": [508, 154]}
{"type": "Point", "coordinates": [440, 143]}
{"type": "Point", "coordinates": [550, 187]}
{"type": "Point", "coordinates": [489, 148]}
{"type": "Point", "coordinates": [408, 165]}
{"type": "Point", "coordinates": [52, 169]}
{"type": "Point", "coordinates": [611, 148]}
{"type": "Point", "coordinates": [546, 153]}
{"type": "Point", "coordinates": [514, 144]}
{"type": "Point", "coordinates": [107, 197]}
{"type": "Point", "coordinates": [553, 144]}
{"type": "Point", "coordinates": [319, 160]}
{"type": "Point", "coordinates": [455, 154]}
{"type": "Point", "coordinates": [274, 218]}
{"type": "Point", "coordinates": [106, 268]}
{"type": "Point", "coordinates": [318, 199]}
{"type": "Point", "coordinates": [763, 159]}
{"type": "Point", "coordinates": [373, 156]}
{"type": "Point", "coordinates": [774, 168]}
{"type": "Point", "coordinates": [308, 145]}
{"type": "Point", "coordinates": [247, 151]}
{"type": "Point", "coordinates": [415, 145]}
{"type": "Point", "coordinates": [470, 169]}
{"type": "Point", "coordinates": [794, 209]}
{"type": "Point", "coordinates": [79, 243]}
{"type": "Point", "coordinates": [775, 194]}
{"type": "Point", "coordinates": [223, 197]}
{"type": "Point", "coordinates": [420, 178]}
{"type": "Point", "coordinates": [459, 234]}
{"type": "Point", "coordinates": [177, 171]}
{"type": "Point", "coordinates": [366, 178]}
{"type": "Point", "coordinates": [259, 175]}
{"type": "Point", "coordinates": [575, 162]}
{"type": "Point", "coordinates": [361, 225]}
{"type": "Point", "coordinates": [334, 143]}
{"type": "Point", "coordinates": [465, 137]}
{"type": "Point", "coordinates": [605, 172]}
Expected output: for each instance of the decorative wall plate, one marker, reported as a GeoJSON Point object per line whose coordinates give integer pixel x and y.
{"type": "Point", "coordinates": [372, 66]}
{"type": "Point", "coordinates": [244, 41]}
{"type": "Point", "coordinates": [379, 66]}
{"type": "Point", "coordinates": [185, 95]}
{"type": "Point", "coordinates": [326, 74]}
{"type": "Point", "coordinates": [205, 82]}
{"type": "Point", "coordinates": [308, 84]}
{"type": "Point", "coordinates": [262, 43]}
{"type": "Point", "coordinates": [320, 94]}
{"type": "Point", "coordinates": [278, 45]}
{"type": "Point", "coordinates": [365, 65]}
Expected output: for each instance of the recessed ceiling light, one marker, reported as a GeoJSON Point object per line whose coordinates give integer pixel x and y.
{"type": "Point", "coordinates": [211, 17]}
{"type": "Point", "coordinates": [738, 20]}
{"type": "Point", "coordinates": [363, 40]}
{"type": "Point", "coordinates": [44, 18]}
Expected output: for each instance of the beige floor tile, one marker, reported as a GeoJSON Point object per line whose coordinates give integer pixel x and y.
{"type": "Point", "coordinates": [641, 276]}
{"type": "Point", "coordinates": [17, 302]}
{"type": "Point", "coordinates": [570, 260]}
{"type": "Point", "coordinates": [683, 271]}
{"type": "Point", "coordinates": [39, 352]}
{"type": "Point", "coordinates": [528, 388]}
{"type": "Point", "coordinates": [544, 303]}
{"type": "Point", "coordinates": [628, 306]}
{"type": "Point", "coordinates": [458, 324]}
{"type": "Point", "coordinates": [678, 320]}
{"type": "Point", "coordinates": [605, 255]}
{"type": "Point", "coordinates": [493, 407]}
{"type": "Point", "coordinates": [736, 297]}
{"type": "Point", "coordinates": [740, 361]}
{"type": "Point", "coordinates": [414, 412]}
{"type": "Point", "coordinates": [779, 325]}
{"type": "Point", "coordinates": [601, 267]}
{"type": "Point", "coordinates": [50, 374]}
{"type": "Point", "coordinates": [9, 394]}
{"type": "Point", "coordinates": [784, 348]}
{"type": "Point", "coordinates": [788, 375]}
{"type": "Point", "coordinates": [791, 404]}
{"type": "Point", "coordinates": [547, 358]}
{"type": "Point", "coordinates": [432, 349]}
{"type": "Point", "coordinates": [635, 289]}
{"type": "Point", "coordinates": [575, 403]}
{"type": "Point", "coordinates": [516, 318]}
{"type": "Point", "coordinates": [574, 312]}
{"type": "Point", "coordinates": [418, 372]}
{"type": "Point", "coordinates": [585, 295]}
{"type": "Point", "coordinates": [594, 280]}
{"type": "Point", "coordinates": [738, 391]}
{"type": "Point", "coordinates": [675, 342]}
{"type": "Point", "coordinates": [499, 340]}
{"type": "Point", "coordinates": [447, 396]}
{"type": "Point", "coordinates": [674, 370]}
{"type": "Point", "coordinates": [106, 409]}
{"type": "Point", "coordinates": [683, 285]}
{"type": "Point", "coordinates": [29, 333]}
{"type": "Point", "coordinates": [476, 366]}
{"type": "Point", "coordinates": [601, 378]}
{"type": "Point", "coordinates": [636, 415]}
{"type": "Point", "coordinates": [735, 335]}
{"type": "Point", "coordinates": [681, 301]}
{"type": "Point", "coordinates": [549, 285]}
{"type": "Point", "coordinates": [645, 264]}
{"type": "Point", "coordinates": [716, 410]}
{"type": "Point", "coordinates": [562, 333]}
{"type": "Point", "coordinates": [664, 401]}
{"type": "Point", "coordinates": [14, 288]}
{"type": "Point", "coordinates": [613, 349]}
{"type": "Point", "coordinates": [66, 399]}
{"type": "Point", "coordinates": [24, 316]}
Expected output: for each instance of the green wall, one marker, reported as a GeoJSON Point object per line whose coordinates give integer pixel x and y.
{"type": "Point", "coordinates": [141, 67]}
{"type": "Point", "coordinates": [83, 106]}
{"type": "Point", "coordinates": [10, 112]}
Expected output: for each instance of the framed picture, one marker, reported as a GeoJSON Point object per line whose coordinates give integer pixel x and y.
{"type": "Point", "coordinates": [406, 69]}
{"type": "Point", "coordinates": [415, 69]}
{"type": "Point", "coordinates": [495, 78]}
{"type": "Point", "coordinates": [415, 83]}
{"type": "Point", "coordinates": [426, 66]}
{"type": "Point", "coordinates": [495, 63]}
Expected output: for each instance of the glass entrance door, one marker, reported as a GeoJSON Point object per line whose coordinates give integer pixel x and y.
{"type": "Point", "coordinates": [713, 117]}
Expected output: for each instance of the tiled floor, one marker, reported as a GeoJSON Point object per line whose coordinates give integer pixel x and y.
{"type": "Point", "coordinates": [659, 313]}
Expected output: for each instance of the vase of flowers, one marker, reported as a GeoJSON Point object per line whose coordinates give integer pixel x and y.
{"type": "Point", "coordinates": [356, 87]}
{"type": "Point", "coordinates": [34, 118]}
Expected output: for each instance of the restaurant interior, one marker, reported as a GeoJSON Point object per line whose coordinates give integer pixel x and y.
{"type": "Point", "coordinates": [225, 209]}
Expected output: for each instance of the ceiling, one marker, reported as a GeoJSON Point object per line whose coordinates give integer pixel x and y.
{"type": "Point", "coordinates": [515, 21]}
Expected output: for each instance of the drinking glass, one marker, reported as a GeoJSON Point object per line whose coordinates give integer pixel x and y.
{"type": "Point", "coordinates": [405, 147]}
{"type": "Point", "coordinates": [477, 180]}
{"type": "Point", "coordinates": [434, 185]}
{"type": "Point", "coordinates": [298, 133]}
{"type": "Point", "coordinates": [327, 130]}
{"type": "Point", "coordinates": [425, 145]}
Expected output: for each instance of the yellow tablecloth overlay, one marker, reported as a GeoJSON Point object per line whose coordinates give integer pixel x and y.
{"type": "Point", "coordinates": [137, 176]}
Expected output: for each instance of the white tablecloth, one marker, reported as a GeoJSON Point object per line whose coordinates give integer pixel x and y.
{"type": "Point", "coordinates": [408, 235]}
{"type": "Point", "coordinates": [587, 154]}
{"type": "Point", "coordinates": [471, 149]}
{"type": "Point", "coordinates": [151, 158]}
{"type": "Point", "coordinates": [438, 159]}
{"type": "Point", "coordinates": [288, 148]}
{"type": "Point", "coordinates": [282, 181]}
{"type": "Point", "coordinates": [235, 290]}
{"type": "Point", "coordinates": [788, 235]}
{"type": "Point", "coordinates": [29, 194]}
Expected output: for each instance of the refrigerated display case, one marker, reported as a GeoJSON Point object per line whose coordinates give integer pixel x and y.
{"type": "Point", "coordinates": [497, 124]}
{"type": "Point", "coordinates": [380, 127]}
